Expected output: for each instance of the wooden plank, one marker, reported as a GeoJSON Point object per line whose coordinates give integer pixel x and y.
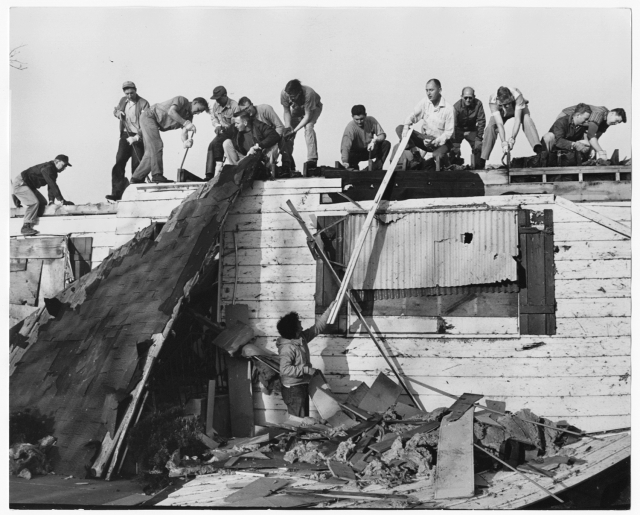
{"type": "Point", "coordinates": [584, 231]}
{"type": "Point", "coordinates": [17, 265]}
{"type": "Point", "coordinates": [593, 269]}
{"type": "Point", "coordinates": [268, 256]}
{"type": "Point", "coordinates": [620, 211]}
{"type": "Point", "coordinates": [327, 405]}
{"type": "Point", "coordinates": [382, 395]}
{"type": "Point", "coordinates": [605, 326]}
{"type": "Point", "coordinates": [130, 226]}
{"type": "Point", "coordinates": [592, 288]}
{"type": "Point", "coordinates": [342, 470]}
{"type": "Point", "coordinates": [594, 216]}
{"type": "Point", "coordinates": [262, 274]}
{"type": "Point", "coordinates": [148, 209]}
{"type": "Point", "coordinates": [69, 225]}
{"type": "Point", "coordinates": [454, 469]}
{"type": "Point", "coordinates": [481, 325]}
{"type": "Point", "coordinates": [596, 191]}
{"type": "Point", "coordinates": [79, 210]}
{"type": "Point", "coordinates": [398, 324]}
{"type": "Point", "coordinates": [267, 238]}
{"type": "Point", "coordinates": [211, 396]}
{"type": "Point", "coordinates": [240, 397]}
{"type": "Point", "coordinates": [52, 280]}
{"type": "Point", "coordinates": [19, 312]}
{"type": "Point", "coordinates": [275, 291]}
{"type": "Point", "coordinates": [234, 337]}
{"type": "Point", "coordinates": [24, 285]}
{"type": "Point", "coordinates": [37, 247]}
{"type": "Point", "coordinates": [259, 222]}
{"type": "Point", "coordinates": [462, 405]}
{"type": "Point", "coordinates": [600, 307]}
{"type": "Point", "coordinates": [259, 488]}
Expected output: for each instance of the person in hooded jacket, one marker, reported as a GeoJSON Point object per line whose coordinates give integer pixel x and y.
{"type": "Point", "coordinates": [295, 365]}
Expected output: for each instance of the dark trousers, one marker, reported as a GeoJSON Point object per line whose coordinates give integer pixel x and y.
{"type": "Point", "coordinates": [297, 399]}
{"type": "Point", "coordinates": [215, 152]}
{"type": "Point", "coordinates": [286, 151]}
{"type": "Point", "coordinates": [474, 142]}
{"type": "Point", "coordinates": [119, 182]}
{"type": "Point", "coordinates": [421, 141]}
{"type": "Point", "coordinates": [379, 153]}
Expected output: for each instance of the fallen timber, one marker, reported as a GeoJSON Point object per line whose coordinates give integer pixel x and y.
{"type": "Point", "coordinates": [592, 256]}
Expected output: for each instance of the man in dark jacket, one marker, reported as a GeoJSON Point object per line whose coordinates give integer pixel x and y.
{"type": "Point", "coordinates": [25, 189]}
{"type": "Point", "coordinates": [470, 121]}
{"type": "Point", "coordinates": [130, 144]}
{"type": "Point", "coordinates": [251, 136]}
{"type": "Point", "coordinates": [295, 362]}
{"type": "Point", "coordinates": [172, 114]}
{"type": "Point", "coordinates": [567, 132]}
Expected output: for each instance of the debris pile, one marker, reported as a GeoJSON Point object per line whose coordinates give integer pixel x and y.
{"type": "Point", "coordinates": [27, 460]}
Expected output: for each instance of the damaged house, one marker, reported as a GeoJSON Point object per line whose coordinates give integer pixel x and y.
{"type": "Point", "coordinates": [520, 295]}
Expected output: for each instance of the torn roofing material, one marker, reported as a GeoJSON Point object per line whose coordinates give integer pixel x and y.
{"type": "Point", "coordinates": [94, 346]}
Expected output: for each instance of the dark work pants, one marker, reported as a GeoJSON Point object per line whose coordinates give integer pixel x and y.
{"type": "Point", "coordinates": [379, 153]}
{"type": "Point", "coordinates": [119, 182]}
{"type": "Point", "coordinates": [297, 399]}
{"type": "Point", "coordinates": [476, 146]}
{"type": "Point", "coordinates": [215, 152]}
{"type": "Point", "coordinates": [421, 141]}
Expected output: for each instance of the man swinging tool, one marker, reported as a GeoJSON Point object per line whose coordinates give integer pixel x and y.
{"type": "Point", "coordinates": [130, 144]}
{"type": "Point", "coordinates": [173, 114]}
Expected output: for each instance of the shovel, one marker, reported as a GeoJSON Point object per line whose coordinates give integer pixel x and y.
{"type": "Point", "coordinates": [179, 178]}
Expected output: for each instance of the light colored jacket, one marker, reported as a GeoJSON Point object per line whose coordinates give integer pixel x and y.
{"type": "Point", "coordinates": [294, 354]}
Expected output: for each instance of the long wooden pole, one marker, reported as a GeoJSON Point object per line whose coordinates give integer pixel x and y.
{"type": "Point", "coordinates": [365, 228]}
{"type": "Point", "coordinates": [354, 304]}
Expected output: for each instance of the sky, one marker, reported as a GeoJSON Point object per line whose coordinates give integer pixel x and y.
{"type": "Point", "coordinates": [78, 57]}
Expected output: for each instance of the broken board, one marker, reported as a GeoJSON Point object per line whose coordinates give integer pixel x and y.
{"type": "Point", "coordinates": [462, 405]}
{"type": "Point", "coordinates": [454, 470]}
{"type": "Point", "coordinates": [341, 470]}
{"type": "Point", "coordinates": [327, 405]}
{"type": "Point", "coordinates": [259, 488]}
{"type": "Point", "coordinates": [24, 285]}
{"type": "Point", "coordinates": [240, 397]}
{"type": "Point", "coordinates": [386, 443]}
{"type": "Point", "coordinates": [234, 337]}
{"type": "Point", "coordinates": [381, 396]}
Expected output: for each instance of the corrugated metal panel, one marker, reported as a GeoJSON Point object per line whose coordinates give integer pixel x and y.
{"type": "Point", "coordinates": [423, 250]}
{"type": "Point", "coordinates": [366, 295]}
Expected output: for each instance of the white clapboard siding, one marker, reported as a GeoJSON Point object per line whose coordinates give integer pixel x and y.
{"type": "Point", "coordinates": [156, 209]}
{"type": "Point", "coordinates": [269, 221]}
{"type": "Point", "coordinates": [593, 269]}
{"type": "Point", "coordinates": [268, 274]}
{"type": "Point", "coordinates": [266, 239]}
{"type": "Point", "coordinates": [590, 288]}
{"type": "Point", "coordinates": [267, 256]}
{"type": "Point", "coordinates": [130, 226]}
{"type": "Point", "coordinates": [603, 326]}
{"type": "Point", "coordinates": [269, 291]}
{"type": "Point", "coordinates": [48, 225]}
{"type": "Point", "coordinates": [598, 307]}
{"type": "Point", "coordinates": [604, 250]}
{"type": "Point", "coordinates": [584, 231]}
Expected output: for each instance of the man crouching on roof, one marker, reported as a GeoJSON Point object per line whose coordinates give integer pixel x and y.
{"type": "Point", "coordinates": [295, 365]}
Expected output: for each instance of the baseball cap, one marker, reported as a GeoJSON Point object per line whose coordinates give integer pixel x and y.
{"type": "Point", "coordinates": [64, 159]}
{"type": "Point", "coordinates": [129, 84]}
{"type": "Point", "coordinates": [219, 91]}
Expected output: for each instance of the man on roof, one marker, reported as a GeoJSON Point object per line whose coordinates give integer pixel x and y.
{"type": "Point", "coordinates": [505, 104]}
{"type": "Point", "coordinates": [25, 190]}
{"type": "Point", "coordinates": [567, 131]}
{"type": "Point", "coordinates": [251, 136]}
{"type": "Point", "coordinates": [130, 144]}
{"type": "Point", "coordinates": [266, 114]}
{"type": "Point", "coordinates": [175, 113]}
{"type": "Point", "coordinates": [599, 121]}
{"type": "Point", "coordinates": [363, 138]}
{"type": "Point", "coordinates": [437, 118]}
{"type": "Point", "coordinates": [470, 122]}
{"type": "Point", "coordinates": [302, 108]}
{"type": "Point", "coordinates": [222, 110]}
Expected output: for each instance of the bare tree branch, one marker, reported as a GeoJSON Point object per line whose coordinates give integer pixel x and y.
{"type": "Point", "coordinates": [14, 62]}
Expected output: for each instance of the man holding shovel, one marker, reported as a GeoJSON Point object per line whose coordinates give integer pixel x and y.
{"type": "Point", "coordinates": [173, 114]}
{"type": "Point", "coordinates": [130, 144]}
{"type": "Point", "coordinates": [364, 139]}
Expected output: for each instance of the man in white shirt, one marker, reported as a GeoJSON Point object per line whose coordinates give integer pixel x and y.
{"type": "Point", "coordinates": [437, 118]}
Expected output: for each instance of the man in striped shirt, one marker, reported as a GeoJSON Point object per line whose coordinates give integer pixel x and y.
{"type": "Point", "coordinates": [598, 123]}
{"type": "Point", "coordinates": [505, 104]}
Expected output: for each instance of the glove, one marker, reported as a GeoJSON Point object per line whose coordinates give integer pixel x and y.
{"type": "Point", "coordinates": [188, 143]}
{"type": "Point", "coordinates": [345, 164]}
{"type": "Point", "coordinates": [602, 154]}
{"type": "Point", "coordinates": [505, 146]}
{"type": "Point", "coordinates": [581, 146]}
{"type": "Point", "coordinates": [67, 203]}
{"type": "Point", "coordinates": [371, 145]}
{"type": "Point", "coordinates": [189, 127]}
{"type": "Point", "coordinates": [512, 142]}
{"type": "Point", "coordinates": [132, 139]}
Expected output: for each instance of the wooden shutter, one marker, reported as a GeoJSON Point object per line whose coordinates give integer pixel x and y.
{"type": "Point", "coordinates": [80, 254]}
{"type": "Point", "coordinates": [537, 289]}
{"type": "Point", "coordinates": [326, 286]}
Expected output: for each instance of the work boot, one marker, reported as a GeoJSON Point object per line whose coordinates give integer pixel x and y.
{"type": "Point", "coordinates": [28, 230]}
{"type": "Point", "coordinates": [113, 198]}
{"type": "Point", "coordinates": [136, 181]}
{"type": "Point", "coordinates": [159, 179]}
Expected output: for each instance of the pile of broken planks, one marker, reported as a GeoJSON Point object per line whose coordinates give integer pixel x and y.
{"type": "Point", "coordinates": [374, 451]}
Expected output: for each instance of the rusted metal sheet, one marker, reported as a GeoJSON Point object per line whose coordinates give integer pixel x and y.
{"type": "Point", "coordinates": [442, 248]}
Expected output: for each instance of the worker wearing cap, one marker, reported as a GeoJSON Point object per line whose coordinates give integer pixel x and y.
{"type": "Point", "coordinates": [470, 122]}
{"type": "Point", "coordinates": [302, 108]}
{"type": "Point", "coordinates": [363, 138]}
{"type": "Point", "coordinates": [437, 118]}
{"type": "Point", "coordinates": [222, 110]}
{"type": "Point", "coordinates": [25, 190]}
{"type": "Point", "coordinates": [599, 121]}
{"type": "Point", "coordinates": [176, 113]}
{"type": "Point", "coordinates": [130, 144]}
{"type": "Point", "coordinates": [266, 114]}
{"type": "Point", "coordinates": [505, 104]}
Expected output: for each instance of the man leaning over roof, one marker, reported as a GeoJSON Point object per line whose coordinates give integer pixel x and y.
{"type": "Point", "coordinates": [251, 136]}
{"type": "Point", "coordinates": [600, 120]}
{"type": "Point", "coordinates": [505, 104]}
{"type": "Point", "coordinates": [302, 108]}
{"type": "Point", "coordinates": [25, 188]}
{"type": "Point", "coordinates": [363, 137]}
{"type": "Point", "coordinates": [173, 114]}
{"type": "Point", "coordinates": [470, 122]}
{"type": "Point", "coordinates": [437, 117]}
{"type": "Point", "coordinates": [567, 132]}
{"type": "Point", "coordinates": [222, 110]}
{"type": "Point", "coordinates": [130, 144]}
{"type": "Point", "coordinates": [266, 114]}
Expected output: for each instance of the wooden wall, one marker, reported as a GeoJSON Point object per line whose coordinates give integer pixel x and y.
{"type": "Point", "coordinates": [581, 374]}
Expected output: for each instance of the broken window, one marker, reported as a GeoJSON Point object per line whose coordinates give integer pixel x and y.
{"type": "Point", "coordinates": [451, 272]}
